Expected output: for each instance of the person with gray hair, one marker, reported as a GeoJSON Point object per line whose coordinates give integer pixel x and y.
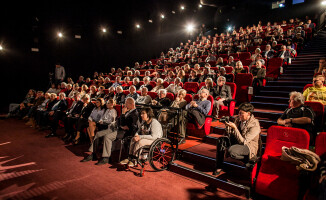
{"type": "Point", "coordinates": [198, 109]}
{"type": "Point", "coordinates": [144, 98]}
{"type": "Point", "coordinates": [174, 87]}
{"type": "Point", "coordinates": [298, 115]}
{"type": "Point", "coordinates": [222, 95]}
{"type": "Point", "coordinates": [161, 99]}
{"type": "Point", "coordinates": [133, 93]}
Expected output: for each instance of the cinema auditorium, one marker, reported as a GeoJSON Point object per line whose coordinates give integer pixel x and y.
{"type": "Point", "coordinates": [173, 99]}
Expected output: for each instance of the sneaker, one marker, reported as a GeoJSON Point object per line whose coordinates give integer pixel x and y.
{"type": "Point", "coordinates": [124, 162]}
{"type": "Point", "coordinates": [131, 164]}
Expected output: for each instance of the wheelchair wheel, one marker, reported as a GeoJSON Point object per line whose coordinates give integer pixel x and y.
{"type": "Point", "coordinates": [161, 154]}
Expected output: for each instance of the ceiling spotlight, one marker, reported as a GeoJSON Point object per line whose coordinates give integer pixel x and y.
{"type": "Point", "coordinates": [150, 21]}
{"type": "Point", "coordinates": [281, 5]}
{"type": "Point", "coordinates": [104, 30]}
{"type": "Point", "coordinates": [182, 7]}
{"type": "Point", "coordinates": [60, 34]}
{"type": "Point", "coordinates": [162, 16]}
{"type": "Point", "coordinates": [200, 5]}
{"type": "Point", "coordinates": [323, 3]}
{"type": "Point", "coordinates": [173, 12]}
{"type": "Point", "coordinates": [137, 26]}
{"type": "Point", "coordinates": [1, 48]}
{"type": "Point", "coordinates": [229, 28]}
{"type": "Point", "coordinates": [190, 28]}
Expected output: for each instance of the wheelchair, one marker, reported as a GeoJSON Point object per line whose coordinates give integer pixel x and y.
{"type": "Point", "coordinates": [162, 152]}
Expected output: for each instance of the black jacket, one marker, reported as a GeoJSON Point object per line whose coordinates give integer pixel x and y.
{"type": "Point", "coordinates": [163, 102]}
{"type": "Point", "coordinates": [224, 93]}
{"type": "Point", "coordinates": [51, 104]}
{"type": "Point", "coordinates": [130, 119]}
{"type": "Point", "coordinates": [77, 109]}
{"type": "Point", "coordinates": [86, 111]}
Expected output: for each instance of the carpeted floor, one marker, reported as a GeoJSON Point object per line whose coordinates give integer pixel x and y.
{"type": "Point", "coordinates": [33, 167]}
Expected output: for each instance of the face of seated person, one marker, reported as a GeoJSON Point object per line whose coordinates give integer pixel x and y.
{"type": "Point", "coordinates": [144, 116]}
{"type": "Point", "coordinates": [244, 116]}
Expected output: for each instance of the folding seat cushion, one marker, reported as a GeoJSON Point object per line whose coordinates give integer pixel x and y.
{"type": "Point", "coordinates": [229, 110]}
{"type": "Point", "coordinates": [205, 130]}
{"type": "Point", "coordinates": [191, 87]}
{"type": "Point", "coordinates": [243, 82]}
{"type": "Point", "coordinates": [279, 179]}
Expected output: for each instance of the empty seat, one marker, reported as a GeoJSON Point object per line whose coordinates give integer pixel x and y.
{"type": "Point", "coordinates": [243, 82]}
{"type": "Point", "coordinates": [244, 55]}
{"type": "Point", "coordinates": [191, 87]}
{"type": "Point", "coordinates": [278, 179]}
{"type": "Point", "coordinates": [273, 67]}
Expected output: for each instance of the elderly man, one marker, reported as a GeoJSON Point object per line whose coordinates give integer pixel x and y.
{"type": "Point", "coordinates": [259, 74]}
{"type": "Point", "coordinates": [269, 52]}
{"type": "Point", "coordinates": [144, 98]}
{"type": "Point", "coordinates": [284, 54]}
{"type": "Point", "coordinates": [161, 100]}
{"type": "Point", "coordinates": [198, 109]}
{"type": "Point", "coordinates": [298, 115]}
{"type": "Point", "coordinates": [57, 112]}
{"type": "Point", "coordinates": [136, 83]}
{"type": "Point", "coordinates": [175, 87]}
{"type": "Point", "coordinates": [222, 94]}
{"type": "Point", "coordinates": [317, 92]}
{"type": "Point", "coordinates": [117, 82]}
{"type": "Point", "coordinates": [243, 137]}
{"type": "Point", "coordinates": [146, 84]}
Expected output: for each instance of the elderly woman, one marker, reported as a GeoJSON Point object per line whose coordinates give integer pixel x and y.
{"type": "Point", "coordinates": [92, 92]}
{"type": "Point", "coordinates": [209, 85]}
{"type": "Point", "coordinates": [75, 89]}
{"type": "Point", "coordinates": [111, 94]}
{"type": "Point", "coordinates": [159, 85]}
{"type": "Point", "coordinates": [119, 96]}
{"type": "Point", "coordinates": [146, 84]}
{"type": "Point", "coordinates": [149, 130]}
{"type": "Point", "coordinates": [106, 118]}
{"type": "Point", "coordinates": [243, 137]}
{"type": "Point", "coordinates": [239, 68]}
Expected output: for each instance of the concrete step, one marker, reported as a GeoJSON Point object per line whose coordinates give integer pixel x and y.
{"type": "Point", "coordinates": [271, 99]}
{"type": "Point", "coordinates": [271, 106]}
{"type": "Point", "coordinates": [287, 83]}
{"type": "Point", "coordinates": [283, 88]}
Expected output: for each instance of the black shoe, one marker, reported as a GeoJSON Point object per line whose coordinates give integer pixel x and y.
{"type": "Point", "coordinates": [103, 161]}
{"type": "Point", "coordinates": [76, 142]}
{"type": "Point", "coordinates": [182, 140]}
{"type": "Point", "coordinates": [68, 139]}
{"type": "Point", "coordinates": [65, 137]}
{"type": "Point", "coordinates": [51, 135]}
{"type": "Point", "coordinates": [217, 172]}
{"type": "Point", "coordinates": [88, 158]}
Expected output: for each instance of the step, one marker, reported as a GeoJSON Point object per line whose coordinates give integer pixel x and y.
{"type": "Point", "coordinates": [308, 80]}
{"type": "Point", "coordinates": [300, 71]}
{"type": "Point", "coordinates": [274, 99]}
{"type": "Point", "coordinates": [283, 88]}
{"type": "Point", "coordinates": [265, 123]}
{"type": "Point", "coordinates": [274, 93]}
{"type": "Point", "coordinates": [236, 189]}
{"type": "Point", "coordinates": [287, 83]}
{"type": "Point", "coordinates": [272, 106]}
{"type": "Point", "coordinates": [307, 75]}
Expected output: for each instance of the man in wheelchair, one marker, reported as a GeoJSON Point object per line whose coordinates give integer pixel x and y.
{"type": "Point", "coordinates": [242, 140]}
{"type": "Point", "coordinates": [149, 130]}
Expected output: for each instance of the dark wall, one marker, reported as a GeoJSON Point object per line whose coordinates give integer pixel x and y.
{"type": "Point", "coordinates": [27, 25]}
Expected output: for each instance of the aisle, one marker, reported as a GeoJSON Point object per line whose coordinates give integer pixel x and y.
{"type": "Point", "coordinates": [33, 167]}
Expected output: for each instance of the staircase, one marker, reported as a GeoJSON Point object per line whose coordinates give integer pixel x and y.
{"type": "Point", "coordinates": [198, 161]}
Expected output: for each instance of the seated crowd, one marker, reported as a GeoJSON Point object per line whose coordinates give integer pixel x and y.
{"type": "Point", "coordinates": [89, 108]}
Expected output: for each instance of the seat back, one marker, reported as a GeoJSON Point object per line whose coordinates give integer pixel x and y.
{"type": "Point", "coordinates": [318, 108]}
{"type": "Point", "coordinates": [191, 87]}
{"type": "Point", "coordinates": [228, 69]}
{"type": "Point", "coordinates": [233, 87]}
{"type": "Point", "coordinates": [153, 95]}
{"type": "Point", "coordinates": [188, 98]}
{"type": "Point", "coordinates": [170, 96]}
{"type": "Point", "coordinates": [321, 144]}
{"type": "Point", "coordinates": [279, 136]}
{"type": "Point", "coordinates": [244, 55]}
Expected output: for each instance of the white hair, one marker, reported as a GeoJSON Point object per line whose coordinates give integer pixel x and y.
{"type": "Point", "coordinates": [297, 97]}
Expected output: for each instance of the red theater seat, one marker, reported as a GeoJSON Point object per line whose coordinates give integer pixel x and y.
{"type": "Point", "coordinates": [243, 81]}
{"type": "Point", "coordinates": [170, 96]}
{"type": "Point", "coordinates": [188, 98]}
{"type": "Point", "coordinates": [273, 67]}
{"type": "Point", "coordinates": [191, 87]}
{"type": "Point", "coordinates": [229, 110]}
{"type": "Point", "coordinates": [321, 144]}
{"type": "Point", "coordinates": [228, 69]}
{"type": "Point", "coordinates": [318, 108]}
{"type": "Point", "coordinates": [279, 179]}
{"type": "Point", "coordinates": [153, 95]}
{"type": "Point", "coordinates": [244, 55]}
{"type": "Point", "coordinates": [206, 129]}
